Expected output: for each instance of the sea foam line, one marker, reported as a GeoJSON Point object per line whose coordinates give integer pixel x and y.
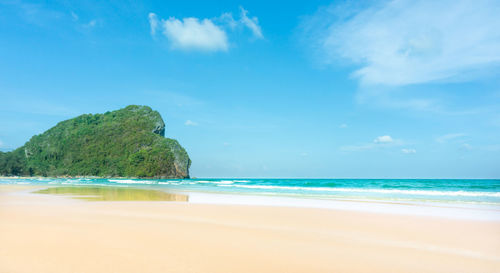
{"type": "Point", "coordinates": [384, 191]}
{"type": "Point", "coordinates": [128, 181]}
{"type": "Point", "coordinates": [213, 182]}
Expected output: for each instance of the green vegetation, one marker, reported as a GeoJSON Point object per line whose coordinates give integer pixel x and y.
{"type": "Point", "coordinates": [13, 163]}
{"type": "Point", "coordinates": [115, 194]}
{"type": "Point", "coordinates": [128, 142]}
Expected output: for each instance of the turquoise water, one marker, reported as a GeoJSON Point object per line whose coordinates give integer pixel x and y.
{"type": "Point", "coordinates": [476, 191]}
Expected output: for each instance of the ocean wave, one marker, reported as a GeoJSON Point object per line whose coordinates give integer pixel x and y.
{"type": "Point", "coordinates": [227, 182]}
{"type": "Point", "coordinates": [128, 181]}
{"type": "Point", "coordinates": [224, 182]}
{"type": "Point", "coordinates": [170, 183]}
{"type": "Point", "coordinates": [383, 191]}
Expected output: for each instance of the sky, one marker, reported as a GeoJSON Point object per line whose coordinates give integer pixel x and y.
{"type": "Point", "coordinates": [291, 89]}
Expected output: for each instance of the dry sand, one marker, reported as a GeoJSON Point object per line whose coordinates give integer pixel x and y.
{"type": "Point", "coordinates": [46, 233]}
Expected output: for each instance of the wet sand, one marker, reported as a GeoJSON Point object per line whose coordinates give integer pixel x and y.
{"type": "Point", "coordinates": [53, 233]}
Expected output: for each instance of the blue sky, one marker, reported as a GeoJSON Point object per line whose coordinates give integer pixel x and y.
{"type": "Point", "coordinates": [343, 89]}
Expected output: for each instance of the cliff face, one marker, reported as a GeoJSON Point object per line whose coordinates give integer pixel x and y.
{"type": "Point", "coordinates": [128, 142]}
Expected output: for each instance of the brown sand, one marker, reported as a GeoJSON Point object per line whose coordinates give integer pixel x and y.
{"type": "Point", "coordinates": [46, 233]}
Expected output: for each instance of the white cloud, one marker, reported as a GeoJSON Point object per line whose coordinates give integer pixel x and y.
{"type": "Point", "coordinates": [251, 23]}
{"type": "Point", "coordinates": [383, 139]}
{"type": "Point", "coordinates": [153, 23]}
{"type": "Point", "coordinates": [448, 137]}
{"type": "Point", "coordinates": [409, 42]}
{"type": "Point", "coordinates": [190, 123]}
{"type": "Point", "coordinates": [191, 33]}
{"type": "Point", "coordinates": [409, 151]}
{"type": "Point", "coordinates": [203, 34]}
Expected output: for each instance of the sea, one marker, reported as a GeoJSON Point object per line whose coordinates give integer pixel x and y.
{"type": "Point", "coordinates": [443, 191]}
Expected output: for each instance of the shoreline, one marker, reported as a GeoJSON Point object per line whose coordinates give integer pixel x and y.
{"type": "Point", "coordinates": [51, 233]}
{"type": "Point", "coordinates": [438, 209]}
{"type": "Point", "coordinates": [433, 209]}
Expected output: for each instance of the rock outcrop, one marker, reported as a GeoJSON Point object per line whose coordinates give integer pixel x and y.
{"type": "Point", "coordinates": [128, 142]}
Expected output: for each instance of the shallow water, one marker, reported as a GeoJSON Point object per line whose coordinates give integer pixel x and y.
{"type": "Point", "coordinates": [467, 191]}
{"type": "Point", "coordinates": [114, 194]}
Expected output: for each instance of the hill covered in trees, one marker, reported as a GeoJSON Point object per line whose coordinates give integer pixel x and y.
{"type": "Point", "coordinates": [128, 142]}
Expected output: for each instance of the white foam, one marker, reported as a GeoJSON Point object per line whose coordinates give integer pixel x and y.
{"type": "Point", "coordinates": [223, 182]}
{"type": "Point", "coordinates": [226, 182]}
{"type": "Point", "coordinates": [394, 191]}
{"type": "Point", "coordinates": [128, 181]}
{"type": "Point", "coordinates": [456, 211]}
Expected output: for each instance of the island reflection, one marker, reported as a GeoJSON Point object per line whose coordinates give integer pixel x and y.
{"type": "Point", "coordinates": [115, 194]}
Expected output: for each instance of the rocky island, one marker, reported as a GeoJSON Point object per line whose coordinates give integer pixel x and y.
{"type": "Point", "coordinates": [129, 142]}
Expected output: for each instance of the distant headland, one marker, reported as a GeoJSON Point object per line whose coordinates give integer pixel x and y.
{"type": "Point", "coordinates": [129, 142]}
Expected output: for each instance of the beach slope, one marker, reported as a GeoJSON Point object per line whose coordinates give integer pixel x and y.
{"type": "Point", "coordinates": [47, 233]}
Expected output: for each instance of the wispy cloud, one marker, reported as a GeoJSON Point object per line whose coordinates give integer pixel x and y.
{"type": "Point", "coordinates": [192, 33]}
{"type": "Point", "coordinates": [449, 137]}
{"type": "Point", "coordinates": [384, 141]}
{"type": "Point", "coordinates": [190, 123]}
{"type": "Point", "coordinates": [33, 13]}
{"type": "Point", "coordinates": [343, 125]}
{"type": "Point", "coordinates": [420, 100]}
{"type": "Point", "coordinates": [92, 23]}
{"type": "Point", "coordinates": [153, 23]}
{"type": "Point", "coordinates": [492, 148]}
{"type": "Point", "coordinates": [408, 151]}
{"type": "Point", "coordinates": [46, 15]}
{"type": "Point", "coordinates": [409, 42]}
{"type": "Point", "coordinates": [228, 20]}
{"type": "Point", "coordinates": [357, 148]}
{"type": "Point", "coordinates": [396, 100]}
{"type": "Point", "coordinates": [82, 23]}
{"type": "Point", "coordinates": [251, 23]}
{"type": "Point", "coordinates": [466, 146]}
{"type": "Point", "coordinates": [74, 16]}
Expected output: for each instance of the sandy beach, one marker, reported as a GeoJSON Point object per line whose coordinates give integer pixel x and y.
{"type": "Point", "coordinates": [49, 233]}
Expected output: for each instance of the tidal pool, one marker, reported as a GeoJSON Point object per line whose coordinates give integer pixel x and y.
{"type": "Point", "coordinates": [115, 194]}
